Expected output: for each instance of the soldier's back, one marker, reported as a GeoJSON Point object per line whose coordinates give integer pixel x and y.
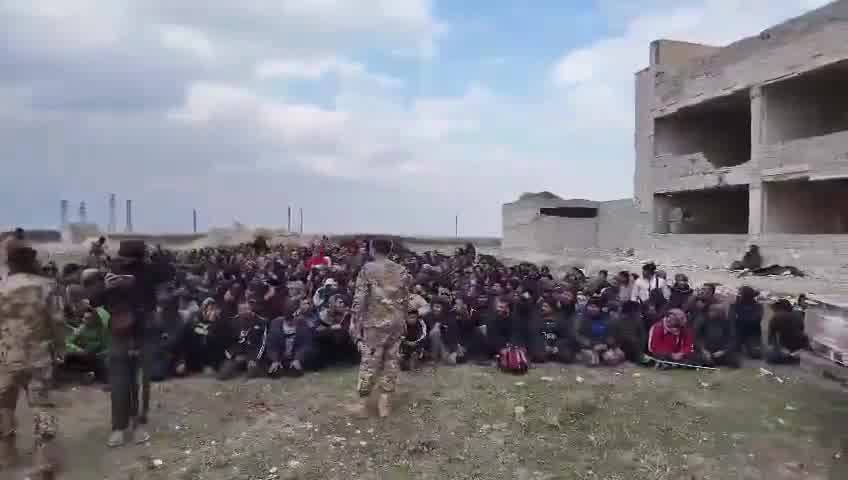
{"type": "Point", "coordinates": [389, 293]}
{"type": "Point", "coordinates": [26, 316]}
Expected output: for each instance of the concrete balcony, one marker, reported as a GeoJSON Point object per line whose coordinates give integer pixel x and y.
{"type": "Point", "coordinates": [814, 158]}
{"type": "Point", "coordinates": [679, 173]}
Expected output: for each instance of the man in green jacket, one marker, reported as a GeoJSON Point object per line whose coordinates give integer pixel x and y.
{"type": "Point", "coordinates": [87, 347]}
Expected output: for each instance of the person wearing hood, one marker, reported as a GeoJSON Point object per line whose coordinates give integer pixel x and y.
{"type": "Point", "coordinates": [715, 338]}
{"type": "Point", "coordinates": [631, 332]}
{"type": "Point", "coordinates": [747, 315]}
{"type": "Point", "coordinates": [671, 339]}
{"type": "Point", "coordinates": [323, 293]}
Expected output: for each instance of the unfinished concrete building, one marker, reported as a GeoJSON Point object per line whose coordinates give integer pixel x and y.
{"type": "Point", "coordinates": [749, 142]}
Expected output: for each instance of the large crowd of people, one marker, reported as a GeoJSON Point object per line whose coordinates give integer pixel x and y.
{"type": "Point", "coordinates": [276, 311]}
{"type": "Point", "coordinates": [261, 310]}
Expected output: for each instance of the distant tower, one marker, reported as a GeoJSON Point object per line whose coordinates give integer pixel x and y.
{"type": "Point", "coordinates": [83, 213]}
{"type": "Point", "coordinates": [194, 219]}
{"type": "Point", "coordinates": [63, 209]}
{"type": "Point", "coordinates": [129, 216]}
{"type": "Point", "coordinates": [113, 221]}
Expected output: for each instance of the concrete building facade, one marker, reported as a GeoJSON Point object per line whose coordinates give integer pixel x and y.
{"type": "Point", "coordinates": [750, 138]}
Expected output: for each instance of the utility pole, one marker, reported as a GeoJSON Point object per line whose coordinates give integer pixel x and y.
{"type": "Point", "coordinates": [83, 213]}
{"type": "Point", "coordinates": [63, 213]}
{"type": "Point", "coordinates": [113, 221]}
{"type": "Point", "coordinates": [194, 219]}
{"type": "Point", "coordinates": [129, 228]}
{"type": "Point", "coordinates": [288, 230]}
{"type": "Point", "coordinates": [456, 226]}
{"type": "Point", "coordinates": [301, 220]}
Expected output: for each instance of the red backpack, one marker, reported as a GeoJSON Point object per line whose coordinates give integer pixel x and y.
{"type": "Point", "coordinates": [513, 360]}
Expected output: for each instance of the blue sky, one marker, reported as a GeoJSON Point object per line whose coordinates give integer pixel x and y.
{"type": "Point", "coordinates": [372, 115]}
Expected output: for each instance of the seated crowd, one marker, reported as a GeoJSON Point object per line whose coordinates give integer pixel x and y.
{"type": "Point", "coordinates": [258, 311]}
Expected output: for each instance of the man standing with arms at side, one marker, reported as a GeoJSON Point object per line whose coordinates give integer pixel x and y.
{"type": "Point", "coordinates": [31, 339]}
{"type": "Point", "coordinates": [379, 314]}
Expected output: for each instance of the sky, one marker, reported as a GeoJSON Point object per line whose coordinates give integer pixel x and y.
{"type": "Point", "coordinates": [370, 115]}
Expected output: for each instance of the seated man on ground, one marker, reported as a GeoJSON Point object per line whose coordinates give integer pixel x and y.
{"type": "Point", "coordinates": [632, 335]}
{"type": "Point", "coordinates": [554, 335]}
{"type": "Point", "coordinates": [715, 338]}
{"type": "Point", "coordinates": [203, 340]}
{"type": "Point", "coordinates": [332, 333]}
{"type": "Point", "coordinates": [747, 316]}
{"type": "Point", "coordinates": [596, 336]}
{"type": "Point", "coordinates": [670, 339]}
{"type": "Point", "coordinates": [87, 348]}
{"type": "Point", "coordinates": [414, 340]}
{"type": "Point", "coordinates": [786, 337]}
{"type": "Point", "coordinates": [248, 351]}
{"type": "Point", "coordinates": [290, 349]}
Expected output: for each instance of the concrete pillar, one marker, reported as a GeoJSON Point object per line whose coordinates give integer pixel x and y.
{"type": "Point", "coordinates": [756, 208]}
{"type": "Point", "coordinates": [758, 124]}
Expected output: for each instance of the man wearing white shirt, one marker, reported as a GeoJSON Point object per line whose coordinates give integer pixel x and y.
{"type": "Point", "coordinates": [649, 282]}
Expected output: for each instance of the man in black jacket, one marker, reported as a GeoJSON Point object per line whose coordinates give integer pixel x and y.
{"type": "Point", "coordinates": [290, 347]}
{"type": "Point", "coordinates": [715, 339]}
{"type": "Point", "coordinates": [248, 352]}
{"type": "Point", "coordinates": [130, 298]}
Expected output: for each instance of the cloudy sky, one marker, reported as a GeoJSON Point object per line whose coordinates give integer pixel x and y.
{"type": "Point", "coordinates": [372, 115]}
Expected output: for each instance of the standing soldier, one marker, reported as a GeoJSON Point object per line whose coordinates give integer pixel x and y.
{"type": "Point", "coordinates": [31, 338]}
{"type": "Point", "coordinates": [379, 314]}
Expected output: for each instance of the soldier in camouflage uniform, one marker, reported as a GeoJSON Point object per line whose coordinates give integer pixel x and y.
{"type": "Point", "coordinates": [31, 339]}
{"type": "Point", "coordinates": [379, 314]}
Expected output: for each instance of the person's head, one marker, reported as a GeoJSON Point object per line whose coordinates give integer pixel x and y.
{"type": "Point", "coordinates": [681, 281]}
{"type": "Point", "coordinates": [754, 248]}
{"type": "Point", "coordinates": [21, 258]}
{"type": "Point", "coordinates": [382, 247]}
{"type": "Point", "coordinates": [439, 306]}
{"type": "Point", "coordinates": [674, 321]}
{"type": "Point", "coordinates": [546, 308]}
{"type": "Point", "coordinates": [603, 274]}
{"type": "Point", "coordinates": [90, 316]}
{"type": "Point", "coordinates": [594, 307]}
{"type": "Point", "coordinates": [782, 305]}
{"type": "Point", "coordinates": [210, 310]}
{"type": "Point", "coordinates": [502, 307]}
{"type": "Point", "coordinates": [101, 240]}
{"type": "Point", "coordinates": [337, 303]}
{"type": "Point", "coordinates": [297, 290]}
{"type": "Point", "coordinates": [649, 269]}
{"type": "Point", "coordinates": [482, 300]}
{"type": "Point", "coordinates": [747, 295]}
{"type": "Point", "coordinates": [19, 233]}
{"type": "Point", "coordinates": [622, 278]}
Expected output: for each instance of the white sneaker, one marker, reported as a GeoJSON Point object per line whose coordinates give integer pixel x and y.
{"type": "Point", "coordinates": [117, 439]}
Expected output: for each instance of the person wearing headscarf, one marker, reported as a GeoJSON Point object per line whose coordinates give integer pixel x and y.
{"type": "Point", "coordinates": [671, 339]}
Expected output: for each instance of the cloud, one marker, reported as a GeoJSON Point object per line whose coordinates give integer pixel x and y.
{"type": "Point", "coordinates": [187, 40]}
{"type": "Point", "coordinates": [314, 69]}
{"type": "Point", "coordinates": [597, 79]}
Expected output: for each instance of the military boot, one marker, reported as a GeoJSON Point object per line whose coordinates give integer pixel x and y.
{"type": "Point", "coordinates": [8, 453]}
{"type": "Point", "coordinates": [384, 407]}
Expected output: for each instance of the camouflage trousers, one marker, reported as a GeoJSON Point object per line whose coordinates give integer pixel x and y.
{"type": "Point", "coordinates": [380, 364]}
{"type": "Point", "coordinates": [36, 383]}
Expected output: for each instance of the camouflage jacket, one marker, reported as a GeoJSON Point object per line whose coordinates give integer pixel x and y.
{"type": "Point", "coordinates": [31, 322]}
{"type": "Point", "coordinates": [381, 295]}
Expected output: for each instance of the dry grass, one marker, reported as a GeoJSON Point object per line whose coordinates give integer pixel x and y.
{"type": "Point", "coordinates": [461, 423]}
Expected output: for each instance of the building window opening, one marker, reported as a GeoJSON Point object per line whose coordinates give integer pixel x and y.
{"type": "Point", "coordinates": [719, 129]}
{"type": "Point", "coordinates": [713, 211]}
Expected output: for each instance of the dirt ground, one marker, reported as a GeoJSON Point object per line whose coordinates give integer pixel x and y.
{"type": "Point", "coordinates": [465, 423]}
